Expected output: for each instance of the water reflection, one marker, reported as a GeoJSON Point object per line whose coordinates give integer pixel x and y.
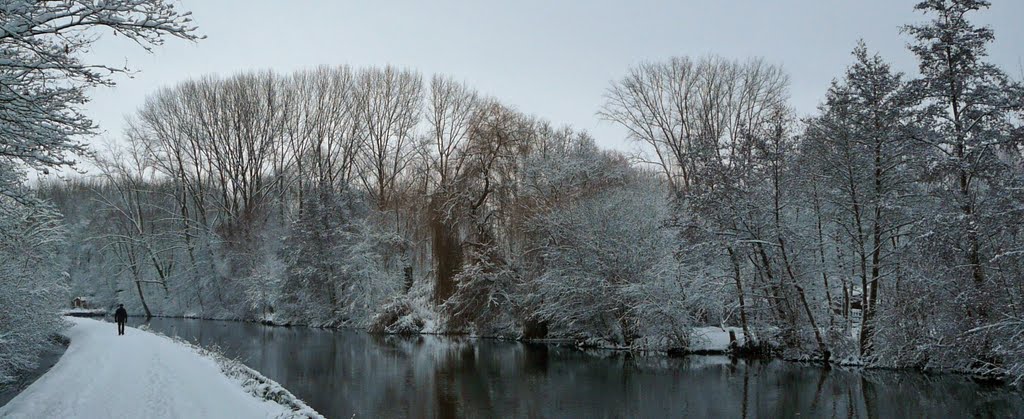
{"type": "Point", "coordinates": [346, 373]}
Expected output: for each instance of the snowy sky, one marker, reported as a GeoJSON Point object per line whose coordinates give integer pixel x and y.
{"type": "Point", "coordinates": [553, 59]}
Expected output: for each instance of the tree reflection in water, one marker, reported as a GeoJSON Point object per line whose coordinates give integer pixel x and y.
{"type": "Point", "coordinates": [343, 372]}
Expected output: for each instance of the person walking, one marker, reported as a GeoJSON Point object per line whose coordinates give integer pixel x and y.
{"type": "Point", "coordinates": [120, 316]}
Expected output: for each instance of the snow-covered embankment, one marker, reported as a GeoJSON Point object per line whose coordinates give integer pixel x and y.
{"type": "Point", "coordinates": [145, 375]}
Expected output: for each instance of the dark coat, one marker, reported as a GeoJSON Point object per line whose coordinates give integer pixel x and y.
{"type": "Point", "coordinates": [121, 315]}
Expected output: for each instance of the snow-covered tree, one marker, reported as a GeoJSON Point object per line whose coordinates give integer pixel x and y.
{"type": "Point", "coordinates": [710, 126]}
{"type": "Point", "coordinates": [969, 260]}
{"type": "Point", "coordinates": [970, 106]}
{"type": "Point", "coordinates": [44, 76]}
{"type": "Point", "coordinates": [32, 286]}
{"type": "Point", "coordinates": [601, 259]}
{"type": "Point", "coordinates": [886, 227]}
{"type": "Point", "coordinates": [337, 263]}
{"type": "Point", "coordinates": [44, 80]}
{"type": "Point", "coordinates": [862, 161]}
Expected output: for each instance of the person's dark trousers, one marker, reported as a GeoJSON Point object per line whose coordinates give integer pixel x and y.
{"type": "Point", "coordinates": [120, 328]}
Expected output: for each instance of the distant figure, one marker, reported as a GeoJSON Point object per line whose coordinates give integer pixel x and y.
{"type": "Point", "coordinates": [120, 316]}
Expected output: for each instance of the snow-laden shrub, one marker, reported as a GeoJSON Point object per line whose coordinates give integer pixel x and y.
{"type": "Point", "coordinates": [957, 327]}
{"type": "Point", "coordinates": [609, 271]}
{"type": "Point", "coordinates": [486, 300]}
{"type": "Point", "coordinates": [262, 288]}
{"type": "Point", "coordinates": [32, 289]}
{"type": "Point", "coordinates": [400, 317]}
{"type": "Point", "coordinates": [1007, 337]}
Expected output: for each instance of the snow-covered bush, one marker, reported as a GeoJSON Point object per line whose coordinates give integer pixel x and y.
{"type": "Point", "coordinates": [399, 317]}
{"type": "Point", "coordinates": [32, 288]}
{"type": "Point", "coordinates": [608, 267]}
{"type": "Point", "coordinates": [600, 264]}
{"type": "Point", "coordinates": [486, 300]}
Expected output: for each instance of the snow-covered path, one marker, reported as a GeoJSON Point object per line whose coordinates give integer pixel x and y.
{"type": "Point", "coordinates": [138, 375]}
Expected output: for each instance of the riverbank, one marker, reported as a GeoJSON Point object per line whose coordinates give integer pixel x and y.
{"type": "Point", "coordinates": [142, 374]}
{"type": "Point", "coordinates": [346, 372]}
{"type": "Point", "coordinates": [47, 359]}
{"type": "Point", "coordinates": [703, 340]}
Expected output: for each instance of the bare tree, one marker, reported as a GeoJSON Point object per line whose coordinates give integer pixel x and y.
{"type": "Point", "coordinates": [136, 244]}
{"type": "Point", "coordinates": [387, 105]}
{"type": "Point", "coordinates": [320, 128]}
{"type": "Point", "coordinates": [705, 122]}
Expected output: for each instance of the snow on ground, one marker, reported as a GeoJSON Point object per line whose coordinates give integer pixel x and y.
{"type": "Point", "coordinates": [713, 339]}
{"type": "Point", "coordinates": [84, 312]}
{"type": "Point", "coordinates": [704, 340]}
{"type": "Point", "coordinates": [138, 375]}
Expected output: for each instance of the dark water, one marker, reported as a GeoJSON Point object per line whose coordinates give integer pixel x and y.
{"type": "Point", "coordinates": [47, 359]}
{"type": "Point", "coordinates": [346, 373]}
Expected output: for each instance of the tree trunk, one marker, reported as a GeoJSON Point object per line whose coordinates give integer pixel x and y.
{"type": "Point", "coordinates": [739, 292]}
{"type": "Point", "coordinates": [821, 254]}
{"type": "Point", "coordinates": [778, 300]}
{"type": "Point", "coordinates": [142, 297]}
{"type": "Point", "coordinates": [825, 353]}
{"type": "Point", "coordinates": [447, 254]}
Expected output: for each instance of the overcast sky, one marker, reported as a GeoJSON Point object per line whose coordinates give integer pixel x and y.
{"type": "Point", "coordinates": [552, 59]}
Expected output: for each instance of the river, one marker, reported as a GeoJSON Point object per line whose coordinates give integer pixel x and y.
{"type": "Point", "coordinates": [342, 373]}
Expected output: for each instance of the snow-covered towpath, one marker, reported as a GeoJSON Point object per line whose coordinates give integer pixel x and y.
{"type": "Point", "coordinates": [138, 375]}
